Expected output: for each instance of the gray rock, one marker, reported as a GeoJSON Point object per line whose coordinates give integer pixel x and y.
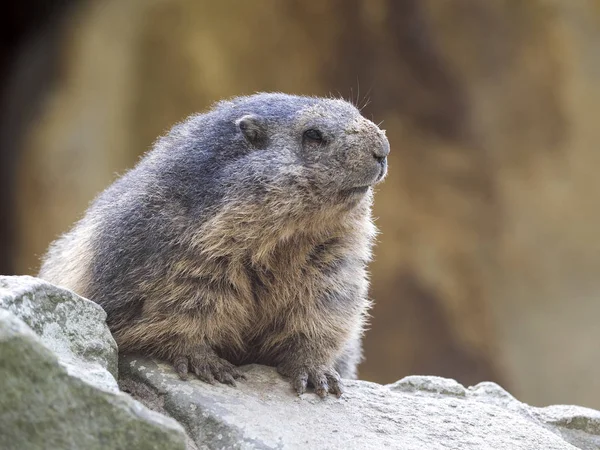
{"type": "Point", "coordinates": [577, 425]}
{"type": "Point", "coordinates": [59, 391]}
{"type": "Point", "coordinates": [72, 327]}
{"type": "Point", "coordinates": [428, 385]}
{"type": "Point", "coordinates": [47, 399]}
{"type": "Point", "coordinates": [414, 413]}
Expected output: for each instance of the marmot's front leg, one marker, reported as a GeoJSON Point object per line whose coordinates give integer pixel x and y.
{"type": "Point", "coordinates": [206, 365]}
{"type": "Point", "coordinates": [311, 363]}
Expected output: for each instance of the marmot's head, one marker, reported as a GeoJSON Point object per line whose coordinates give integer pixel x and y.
{"type": "Point", "coordinates": [286, 150]}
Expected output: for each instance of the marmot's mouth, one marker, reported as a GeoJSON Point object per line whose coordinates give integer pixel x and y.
{"type": "Point", "coordinates": [382, 171]}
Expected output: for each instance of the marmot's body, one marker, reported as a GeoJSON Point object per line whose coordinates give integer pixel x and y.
{"type": "Point", "coordinates": [242, 237]}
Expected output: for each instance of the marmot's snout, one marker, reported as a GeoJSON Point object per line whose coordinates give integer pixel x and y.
{"type": "Point", "coordinates": [370, 151]}
{"type": "Point", "coordinates": [380, 153]}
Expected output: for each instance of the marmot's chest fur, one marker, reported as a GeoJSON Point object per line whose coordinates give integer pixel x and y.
{"type": "Point", "coordinates": [242, 236]}
{"type": "Point", "coordinates": [289, 289]}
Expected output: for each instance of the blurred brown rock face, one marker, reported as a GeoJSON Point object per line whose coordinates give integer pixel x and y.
{"type": "Point", "coordinates": [488, 259]}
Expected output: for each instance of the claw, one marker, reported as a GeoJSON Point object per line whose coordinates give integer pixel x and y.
{"type": "Point", "coordinates": [181, 367]}
{"type": "Point", "coordinates": [205, 375]}
{"type": "Point", "coordinates": [300, 383]}
{"type": "Point", "coordinates": [239, 375]}
{"type": "Point", "coordinates": [324, 380]}
{"type": "Point", "coordinates": [226, 378]}
{"type": "Point", "coordinates": [208, 367]}
{"type": "Point", "coordinates": [334, 385]}
{"type": "Point", "coordinates": [321, 391]}
{"type": "Point", "coordinates": [319, 381]}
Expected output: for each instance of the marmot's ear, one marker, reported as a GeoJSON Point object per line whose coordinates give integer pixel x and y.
{"type": "Point", "coordinates": [254, 130]}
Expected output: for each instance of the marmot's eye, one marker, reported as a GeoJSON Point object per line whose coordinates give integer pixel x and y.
{"type": "Point", "coordinates": [314, 135]}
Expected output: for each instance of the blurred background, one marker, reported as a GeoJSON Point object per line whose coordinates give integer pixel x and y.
{"type": "Point", "coordinates": [488, 262]}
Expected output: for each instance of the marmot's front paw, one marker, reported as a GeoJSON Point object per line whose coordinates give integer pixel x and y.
{"type": "Point", "coordinates": [207, 366]}
{"type": "Point", "coordinates": [324, 379]}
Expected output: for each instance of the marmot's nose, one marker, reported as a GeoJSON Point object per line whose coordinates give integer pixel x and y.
{"type": "Point", "coordinates": [381, 151]}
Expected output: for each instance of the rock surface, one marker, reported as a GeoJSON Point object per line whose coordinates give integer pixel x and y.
{"type": "Point", "coordinates": [58, 364]}
{"type": "Point", "coordinates": [57, 385]}
{"type": "Point", "coordinates": [413, 413]}
{"type": "Point", "coordinates": [73, 328]}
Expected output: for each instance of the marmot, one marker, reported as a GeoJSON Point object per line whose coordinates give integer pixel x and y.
{"type": "Point", "coordinates": [241, 237]}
